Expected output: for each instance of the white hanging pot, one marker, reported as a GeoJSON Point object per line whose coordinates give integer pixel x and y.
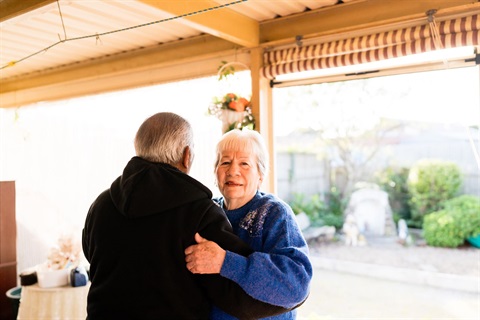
{"type": "Point", "coordinates": [229, 117]}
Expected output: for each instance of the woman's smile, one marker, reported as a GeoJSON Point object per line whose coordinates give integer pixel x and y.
{"type": "Point", "coordinates": [233, 184]}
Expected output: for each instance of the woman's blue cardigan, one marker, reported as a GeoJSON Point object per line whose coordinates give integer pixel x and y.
{"type": "Point", "coordinates": [279, 271]}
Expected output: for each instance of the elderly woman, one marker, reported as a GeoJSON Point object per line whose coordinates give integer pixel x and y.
{"type": "Point", "coordinates": [279, 271]}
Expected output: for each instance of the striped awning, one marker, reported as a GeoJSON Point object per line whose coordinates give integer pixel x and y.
{"type": "Point", "coordinates": [430, 36]}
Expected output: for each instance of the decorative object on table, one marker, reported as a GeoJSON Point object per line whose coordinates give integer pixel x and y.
{"type": "Point", "coordinates": [48, 278]}
{"type": "Point", "coordinates": [65, 254]}
{"type": "Point", "coordinates": [78, 277]}
{"type": "Point", "coordinates": [233, 109]}
{"type": "Point", "coordinates": [28, 277]}
{"type": "Point", "coordinates": [62, 257]}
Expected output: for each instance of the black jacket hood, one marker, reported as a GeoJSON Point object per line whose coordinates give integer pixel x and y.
{"type": "Point", "coordinates": [146, 188]}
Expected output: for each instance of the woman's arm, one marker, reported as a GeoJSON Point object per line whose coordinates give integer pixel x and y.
{"type": "Point", "coordinates": [205, 258]}
{"type": "Point", "coordinates": [280, 274]}
{"type": "Point", "coordinates": [223, 292]}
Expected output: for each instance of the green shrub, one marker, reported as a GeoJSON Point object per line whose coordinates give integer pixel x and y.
{"type": "Point", "coordinates": [394, 182]}
{"type": "Point", "coordinates": [332, 212]}
{"type": "Point", "coordinates": [311, 207]}
{"type": "Point", "coordinates": [298, 203]}
{"type": "Point", "coordinates": [451, 226]}
{"type": "Point", "coordinates": [430, 183]}
{"type": "Point", "coordinates": [336, 203]}
{"type": "Point", "coordinates": [331, 219]}
{"type": "Point", "coordinates": [321, 213]}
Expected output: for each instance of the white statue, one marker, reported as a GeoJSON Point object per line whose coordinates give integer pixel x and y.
{"type": "Point", "coordinates": [351, 231]}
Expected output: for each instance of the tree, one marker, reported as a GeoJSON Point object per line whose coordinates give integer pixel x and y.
{"type": "Point", "coordinates": [346, 117]}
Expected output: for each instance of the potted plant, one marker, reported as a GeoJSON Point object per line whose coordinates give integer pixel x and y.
{"type": "Point", "coordinates": [233, 109]}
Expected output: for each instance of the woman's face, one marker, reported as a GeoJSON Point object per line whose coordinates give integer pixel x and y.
{"type": "Point", "coordinates": [238, 178]}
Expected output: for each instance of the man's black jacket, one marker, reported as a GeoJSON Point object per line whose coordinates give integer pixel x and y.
{"type": "Point", "coordinates": [134, 237]}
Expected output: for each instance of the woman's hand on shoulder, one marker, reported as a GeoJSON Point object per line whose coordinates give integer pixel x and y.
{"type": "Point", "coordinates": [205, 257]}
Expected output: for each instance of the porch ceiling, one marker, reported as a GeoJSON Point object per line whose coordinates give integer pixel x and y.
{"type": "Point", "coordinates": [48, 43]}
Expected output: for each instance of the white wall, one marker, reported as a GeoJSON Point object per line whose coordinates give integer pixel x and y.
{"type": "Point", "coordinates": [63, 154]}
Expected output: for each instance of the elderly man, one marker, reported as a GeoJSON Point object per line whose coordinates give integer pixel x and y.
{"type": "Point", "coordinates": [136, 232]}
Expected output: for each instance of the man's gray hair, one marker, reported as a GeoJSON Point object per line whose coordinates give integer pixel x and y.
{"type": "Point", "coordinates": [163, 138]}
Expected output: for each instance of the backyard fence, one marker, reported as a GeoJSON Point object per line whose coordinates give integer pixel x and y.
{"type": "Point", "coordinates": [306, 174]}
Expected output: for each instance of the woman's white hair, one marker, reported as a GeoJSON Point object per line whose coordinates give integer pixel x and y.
{"type": "Point", "coordinates": [163, 138]}
{"type": "Point", "coordinates": [245, 140]}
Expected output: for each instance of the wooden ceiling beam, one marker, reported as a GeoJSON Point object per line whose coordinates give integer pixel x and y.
{"type": "Point", "coordinates": [222, 22]}
{"type": "Point", "coordinates": [11, 8]}
{"type": "Point", "coordinates": [166, 54]}
{"type": "Point", "coordinates": [97, 72]}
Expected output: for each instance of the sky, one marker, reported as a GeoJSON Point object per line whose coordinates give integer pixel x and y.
{"type": "Point", "coordinates": [448, 96]}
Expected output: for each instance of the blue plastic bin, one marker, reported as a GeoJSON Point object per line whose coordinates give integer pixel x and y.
{"type": "Point", "coordinates": [475, 241]}
{"type": "Point", "coordinates": [14, 296]}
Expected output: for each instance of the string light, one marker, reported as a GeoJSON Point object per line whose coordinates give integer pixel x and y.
{"type": "Point", "coordinates": [98, 35]}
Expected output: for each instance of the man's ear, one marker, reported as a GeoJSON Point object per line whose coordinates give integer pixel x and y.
{"type": "Point", "coordinates": [187, 158]}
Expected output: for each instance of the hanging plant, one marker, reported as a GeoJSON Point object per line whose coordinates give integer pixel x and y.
{"type": "Point", "coordinates": [233, 109]}
{"type": "Point", "coordinates": [224, 70]}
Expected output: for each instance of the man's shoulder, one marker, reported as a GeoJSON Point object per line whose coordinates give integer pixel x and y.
{"type": "Point", "coordinates": [102, 198]}
{"type": "Point", "coordinates": [204, 205]}
{"type": "Point", "coordinates": [218, 201]}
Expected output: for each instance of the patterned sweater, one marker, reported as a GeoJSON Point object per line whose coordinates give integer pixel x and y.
{"type": "Point", "coordinates": [279, 271]}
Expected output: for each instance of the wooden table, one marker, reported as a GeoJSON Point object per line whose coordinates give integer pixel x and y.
{"type": "Point", "coordinates": [62, 303]}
